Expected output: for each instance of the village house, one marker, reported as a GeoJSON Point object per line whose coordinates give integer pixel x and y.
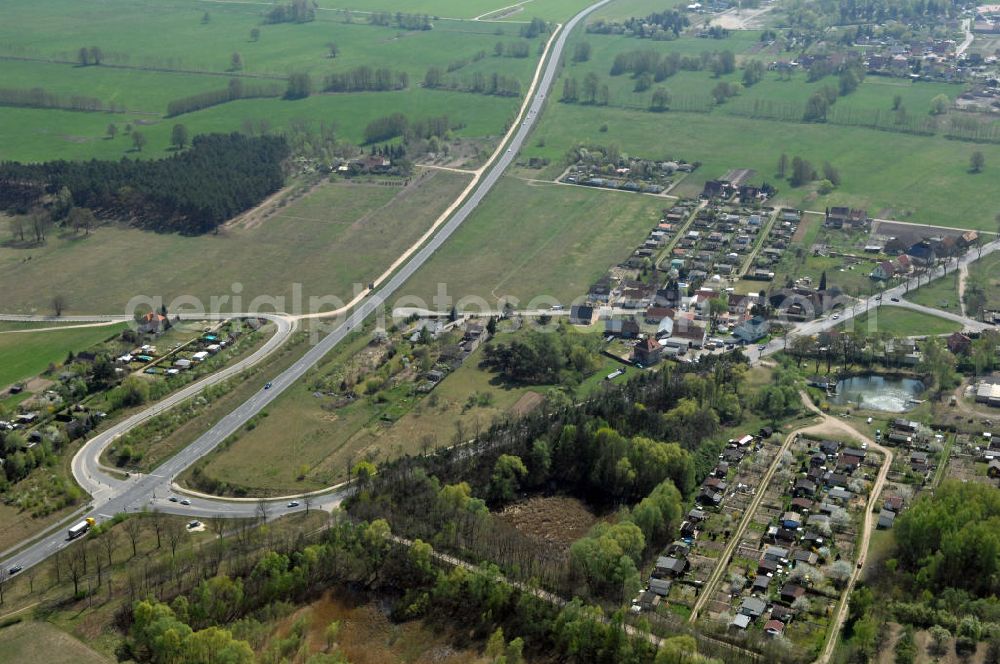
{"type": "Point", "coordinates": [583, 314]}
{"type": "Point", "coordinates": [647, 352]}
{"type": "Point", "coordinates": [752, 330]}
{"type": "Point", "coordinates": [959, 344]}
{"type": "Point", "coordinates": [884, 271]}
{"type": "Point", "coordinates": [625, 328]}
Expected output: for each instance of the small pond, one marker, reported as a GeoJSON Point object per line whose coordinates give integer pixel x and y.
{"type": "Point", "coordinates": [875, 392]}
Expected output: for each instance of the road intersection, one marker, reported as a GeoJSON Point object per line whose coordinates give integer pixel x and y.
{"type": "Point", "coordinates": [152, 491]}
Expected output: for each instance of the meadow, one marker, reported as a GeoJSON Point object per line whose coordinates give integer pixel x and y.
{"type": "Point", "coordinates": [338, 234]}
{"type": "Point", "coordinates": [27, 354]}
{"type": "Point", "coordinates": [531, 239]}
{"type": "Point", "coordinates": [941, 293]}
{"type": "Point", "coordinates": [902, 323]}
{"type": "Point", "coordinates": [875, 176]}
{"type": "Point", "coordinates": [155, 53]}
{"type": "Point", "coordinates": [923, 179]}
{"type": "Point", "coordinates": [986, 273]}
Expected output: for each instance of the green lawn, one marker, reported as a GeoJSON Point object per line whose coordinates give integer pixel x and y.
{"type": "Point", "coordinates": [941, 191]}
{"type": "Point", "coordinates": [902, 323]}
{"type": "Point", "coordinates": [550, 10]}
{"type": "Point", "coordinates": [339, 235]}
{"type": "Point", "coordinates": [852, 277]}
{"type": "Point", "coordinates": [941, 294]}
{"type": "Point", "coordinates": [986, 273]}
{"type": "Point", "coordinates": [154, 53]}
{"type": "Point", "coordinates": [26, 354]}
{"type": "Point", "coordinates": [528, 240]}
{"type": "Point", "coordinates": [31, 134]}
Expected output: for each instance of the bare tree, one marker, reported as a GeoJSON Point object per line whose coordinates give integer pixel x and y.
{"type": "Point", "coordinates": [262, 510]}
{"type": "Point", "coordinates": [175, 531]}
{"type": "Point", "coordinates": [58, 304]}
{"type": "Point", "coordinates": [156, 520]}
{"type": "Point", "coordinates": [76, 567]}
{"type": "Point", "coordinates": [31, 573]}
{"type": "Point", "coordinates": [110, 541]}
{"type": "Point", "coordinates": [17, 228]}
{"type": "Point", "coordinates": [3, 583]}
{"type": "Point", "coordinates": [133, 528]}
{"type": "Point", "coordinates": [307, 500]}
{"type": "Point", "coordinates": [218, 526]}
{"type": "Point", "coordinates": [57, 561]}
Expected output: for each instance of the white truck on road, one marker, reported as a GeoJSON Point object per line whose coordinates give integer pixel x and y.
{"type": "Point", "coordinates": [81, 528]}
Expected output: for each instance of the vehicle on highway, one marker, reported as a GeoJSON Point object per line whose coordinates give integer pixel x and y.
{"type": "Point", "coordinates": [173, 499]}
{"type": "Point", "coordinates": [14, 570]}
{"type": "Point", "coordinates": [267, 386]}
{"type": "Point", "coordinates": [894, 299]}
{"type": "Point", "coordinates": [293, 503]}
{"type": "Point", "coordinates": [81, 528]}
{"type": "Point", "coordinates": [879, 297]}
{"type": "Point", "coordinates": [185, 502]}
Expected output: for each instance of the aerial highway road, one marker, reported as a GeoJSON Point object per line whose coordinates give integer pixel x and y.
{"type": "Point", "coordinates": [111, 496]}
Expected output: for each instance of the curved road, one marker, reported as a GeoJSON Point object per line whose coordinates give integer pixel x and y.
{"type": "Point", "coordinates": [113, 496]}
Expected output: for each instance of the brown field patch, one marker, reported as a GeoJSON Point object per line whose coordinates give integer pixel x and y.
{"type": "Point", "coordinates": [527, 403]}
{"type": "Point", "coordinates": [367, 636]}
{"type": "Point", "coordinates": [39, 641]}
{"type": "Point", "coordinates": [557, 519]}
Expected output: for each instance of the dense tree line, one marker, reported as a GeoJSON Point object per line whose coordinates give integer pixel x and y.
{"type": "Point", "coordinates": [591, 91]}
{"type": "Point", "coordinates": [667, 24]}
{"type": "Point", "coordinates": [535, 28]}
{"type": "Point", "coordinates": [366, 79]}
{"type": "Point", "coordinates": [517, 49]}
{"type": "Point", "coordinates": [480, 83]}
{"type": "Point", "coordinates": [397, 124]}
{"type": "Point", "coordinates": [204, 624]}
{"type": "Point", "coordinates": [42, 98]}
{"type": "Point", "coordinates": [237, 89]}
{"type": "Point", "coordinates": [401, 20]}
{"type": "Point", "coordinates": [296, 11]}
{"type": "Point", "coordinates": [191, 192]}
{"type": "Point", "coordinates": [660, 67]}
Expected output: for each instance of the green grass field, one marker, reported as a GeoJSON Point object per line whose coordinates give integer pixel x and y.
{"type": "Point", "coordinates": [986, 273]}
{"type": "Point", "coordinates": [940, 191]}
{"type": "Point", "coordinates": [528, 240]}
{"type": "Point", "coordinates": [902, 323]}
{"type": "Point", "coordinates": [941, 294]}
{"type": "Point", "coordinates": [339, 235]}
{"type": "Point", "coordinates": [26, 354]}
{"type": "Point", "coordinates": [154, 53]}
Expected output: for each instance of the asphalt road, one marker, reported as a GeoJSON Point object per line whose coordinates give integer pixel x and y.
{"type": "Point", "coordinates": [112, 496]}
